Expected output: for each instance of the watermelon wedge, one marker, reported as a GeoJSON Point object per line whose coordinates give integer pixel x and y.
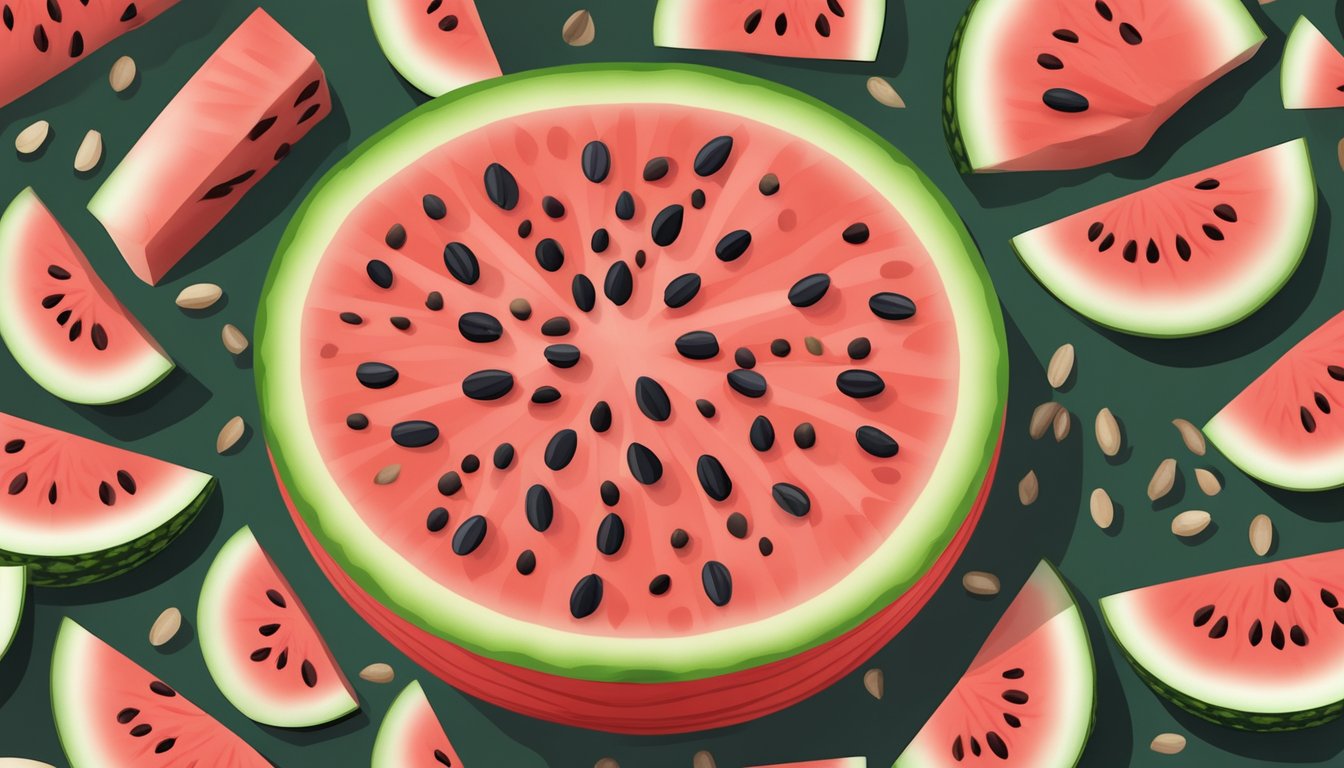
{"type": "Point", "coordinates": [262, 647]}
{"type": "Point", "coordinates": [112, 713]}
{"type": "Point", "coordinates": [61, 323]}
{"type": "Point", "coordinates": [233, 121]}
{"type": "Point", "coordinates": [843, 762]}
{"type": "Point", "coordinates": [411, 737]}
{"type": "Point", "coordinates": [77, 511]}
{"type": "Point", "coordinates": [804, 29]}
{"type": "Point", "coordinates": [1187, 256]}
{"type": "Point", "coordinates": [1285, 429]}
{"type": "Point", "coordinates": [437, 45]}
{"type": "Point", "coordinates": [39, 39]}
{"type": "Point", "coordinates": [13, 587]}
{"type": "Point", "coordinates": [1251, 648]}
{"type": "Point", "coordinates": [1312, 74]}
{"type": "Point", "coordinates": [1055, 84]}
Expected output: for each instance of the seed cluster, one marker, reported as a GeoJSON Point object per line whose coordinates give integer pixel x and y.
{"type": "Point", "coordinates": [107, 490]}
{"type": "Point", "coordinates": [1320, 401]}
{"type": "Point", "coordinates": [1279, 637]}
{"type": "Point", "coordinates": [128, 715]}
{"type": "Point", "coordinates": [55, 302]}
{"type": "Point", "coordinates": [1105, 240]}
{"type": "Point", "coordinates": [307, 672]}
{"type": "Point", "coordinates": [964, 743]}
{"type": "Point", "coordinates": [780, 24]}
{"type": "Point", "coordinates": [1066, 100]}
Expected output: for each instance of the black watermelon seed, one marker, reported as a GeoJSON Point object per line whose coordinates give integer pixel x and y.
{"type": "Point", "coordinates": [434, 207]}
{"type": "Point", "coordinates": [1065, 100]}
{"type": "Point", "coordinates": [540, 508]}
{"type": "Point", "coordinates": [1203, 615]}
{"type": "Point", "coordinates": [747, 383]}
{"type": "Point", "coordinates": [1129, 34]}
{"type": "Point", "coordinates": [479, 327]}
{"type": "Point", "coordinates": [713, 156]}
{"type": "Point", "coordinates": [434, 301]}
{"type": "Point", "coordinates": [1298, 636]}
{"type": "Point", "coordinates": [600, 418]}
{"type": "Point", "coordinates": [54, 10]}
{"type": "Point", "coordinates": [50, 301]}
{"type": "Point", "coordinates": [376, 375]}
{"type": "Point", "coordinates": [875, 442]}
{"type": "Point", "coordinates": [718, 582]}
{"type": "Point", "coordinates": [225, 188]}
{"type": "Point", "coordinates": [766, 546]}
{"type": "Point", "coordinates": [503, 458]}
{"type": "Point", "coordinates": [395, 237]}
{"type": "Point", "coordinates": [834, 5]}
{"type": "Point", "coordinates": [162, 689]}
{"type": "Point", "coordinates": [855, 234]}
{"type": "Point", "coordinates": [667, 225]}
{"type": "Point", "coordinates": [791, 499]}
{"type": "Point", "coordinates": [1048, 61]}
{"type": "Point", "coordinates": [823, 25]}
{"type": "Point", "coordinates": [142, 729]}
{"type": "Point", "coordinates": [281, 152]}
{"type": "Point", "coordinates": [1336, 372]}
{"type": "Point", "coordinates": [644, 464]}
{"type": "Point", "coordinates": [859, 383]}
{"type": "Point", "coordinates": [1328, 598]}
{"type": "Point", "coordinates": [585, 295]}
{"type": "Point", "coordinates": [752, 21]}
{"type": "Point", "coordinates": [610, 493]}
{"type": "Point", "coordinates": [620, 283]}
{"type": "Point", "coordinates": [469, 535]}
{"type": "Point", "coordinates": [1094, 231]}
{"type": "Point", "coordinates": [1015, 697]}
{"type": "Point", "coordinates": [1131, 251]}
{"type": "Point", "coordinates": [1282, 591]}
{"type": "Point", "coordinates": [1308, 420]}
{"type": "Point", "coordinates": [601, 240]}
{"type": "Point", "coordinates": [732, 245]}
{"type": "Point", "coordinates": [520, 309]}
{"type": "Point", "coordinates": [1012, 720]}
{"type": "Point", "coordinates": [526, 564]}
{"type": "Point", "coordinates": [1104, 10]}
{"type": "Point", "coordinates": [737, 525]}
{"type": "Point", "coordinates": [414, 434]}
{"type": "Point", "coordinates": [545, 395]}
{"type": "Point", "coordinates": [859, 348]}
{"type": "Point", "coordinates": [681, 290]}
{"type": "Point", "coordinates": [552, 207]}
{"type": "Point", "coordinates": [489, 384]}
{"type": "Point", "coordinates": [1106, 243]}
{"type": "Point", "coordinates": [652, 399]}
{"type": "Point", "coordinates": [127, 715]}
{"type": "Point", "coordinates": [501, 187]}
{"type": "Point", "coordinates": [768, 185]}
{"type": "Point", "coordinates": [525, 228]}
{"type": "Point", "coordinates": [560, 450]}
{"type": "Point", "coordinates": [660, 584]}
{"type": "Point", "coordinates": [556, 326]}
{"type": "Point", "coordinates": [1219, 628]}
{"type": "Point", "coordinates": [1207, 185]}
{"type": "Point", "coordinates": [744, 358]}
{"type": "Point", "coordinates": [697, 345]}
{"type": "Point", "coordinates": [308, 92]}
{"type": "Point", "coordinates": [276, 598]}
{"type": "Point", "coordinates": [1321, 402]}
{"type": "Point", "coordinates": [461, 263]}
{"type": "Point", "coordinates": [1016, 673]}
{"type": "Point", "coordinates": [762, 434]}
{"type": "Point", "coordinates": [98, 335]}
{"type": "Point", "coordinates": [437, 519]}
{"type": "Point", "coordinates": [625, 206]}
{"type": "Point", "coordinates": [1212, 232]}
{"type": "Point", "coordinates": [809, 290]}
{"type": "Point", "coordinates": [470, 463]}
{"type": "Point", "coordinates": [449, 483]}
{"type": "Point", "coordinates": [550, 255]}
{"type": "Point", "coordinates": [805, 435]}
{"type": "Point", "coordinates": [891, 306]}
{"type": "Point", "coordinates": [596, 161]}
{"type": "Point", "coordinates": [40, 40]}
{"type": "Point", "coordinates": [126, 482]}
{"type": "Point", "coordinates": [713, 478]}
{"type": "Point", "coordinates": [705, 408]}
{"type": "Point", "coordinates": [1152, 253]}
{"type": "Point", "coordinates": [63, 317]}
{"type": "Point", "coordinates": [282, 659]}
{"type": "Point", "coordinates": [1225, 212]}
{"type": "Point", "coordinates": [586, 597]}
{"type": "Point", "coordinates": [379, 273]}
{"type": "Point", "coordinates": [1276, 636]}
{"type": "Point", "coordinates": [697, 199]}
{"type": "Point", "coordinates": [14, 446]}
{"type": "Point", "coordinates": [106, 494]}
{"type": "Point", "coordinates": [656, 169]}
{"type": "Point", "coordinates": [261, 128]}
{"type": "Point", "coordinates": [58, 272]}
{"type": "Point", "coordinates": [996, 745]}
{"type": "Point", "coordinates": [680, 539]}
{"type": "Point", "coordinates": [610, 534]}
{"type": "Point", "coordinates": [562, 355]}
{"type": "Point", "coordinates": [780, 348]}
{"type": "Point", "coordinates": [75, 329]}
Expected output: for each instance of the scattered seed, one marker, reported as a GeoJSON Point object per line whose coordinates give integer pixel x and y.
{"type": "Point", "coordinates": [1028, 488]}
{"type": "Point", "coordinates": [606, 762]}
{"type": "Point", "coordinates": [809, 290]}
{"type": "Point", "coordinates": [874, 682]}
{"type": "Point", "coordinates": [732, 245]}
{"type": "Point", "coordinates": [376, 375]}
{"type": "Point", "coordinates": [487, 385]}
{"type": "Point", "coordinates": [718, 582]}
{"type": "Point", "coordinates": [501, 187]}
{"type": "Point", "coordinates": [706, 408]}
{"type": "Point", "coordinates": [885, 94]}
{"type": "Point", "coordinates": [681, 290]}
{"type": "Point", "coordinates": [503, 456]}
{"type": "Point", "coordinates": [652, 399]}
{"type": "Point", "coordinates": [812, 344]}
{"type": "Point", "coordinates": [1061, 366]}
{"type": "Point", "coordinates": [436, 520]}
{"type": "Point", "coordinates": [122, 74]}
{"type": "Point", "coordinates": [875, 442]}
{"type": "Point", "coordinates": [619, 284]}
{"type": "Point", "coordinates": [32, 138]}
{"type": "Point", "coordinates": [625, 206]}
{"type": "Point", "coordinates": [461, 263]}
{"type": "Point", "coordinates": [377, 672]}
{"type": "Point", "coordinates": [414, 434]}
{"type": "Point", "coordinates": [550, 256]}
{"type": "Point", "coordinates": [713, 156]}
{"type": "Point", "coordinates": [380, 274]}
{"type": "Point", "coordinates": [1163, 479]}
{"type": "Point", "coordinates": [586, 597]}
{"type": "Point", "coordinates": [1190, 523]}
{"type": "Point", "coordinates": [585, 295]}
{"type": "Point", "coordinates": [666, 226]}
{"type": "Point", "coordinates": [769, 184]}
{"type": "Point", "coordinates": [1168, 743]}
{"type": "Point", "coordinates": [697, 345]}
{"type": "Point", "coordinates": [980, 583]}
{"type": "Point", "coordinates": [1062, 423]}
{"type": "Point", "coordinates": [469, 535]}
{"type": "Point", "coordinates": [762, 434]}
{"type": "Point", "coordinates": [600, 418]}
{"type": "Point", "coordinates": [859, 384]}
{"type": "Point", "coordinates": [526, 562]}
{"type": "Point", "coordinates": [520, 308]}
{"type": "Point", "coordinates": [90, 152]}
{"type": "Point", "coordinates": [165, 627]}
{"type": "Point", "coordinates": [713, 478]}
{"type": "Point", "coordinates": [199, 296]}
{"type": "Point", "coordinates": [561, 448]}
{"type": "Point", "coordinates": [387, 475]}
{"type": "Point", "coordinates": [1262, 534]}
{"type": "Point", "coordinates": [1208, 482]}
{"type": "Point", "coordinates": [562, 355]}
{"type": "Point", "coordinates": [233, 339]}
{"type": "Point", "coordinates": [579, 29]}
{"type": "Point", "coordinates": [1102, 508]}
{"type": "Point", "coordinates": [805, 435]}
{"type": "Point", "coordinates": [479, 327]}
{"type": "Point", "coordinates": [702, 759]}
{"type": "Point", "coordinates": [891, 306]}
{"type": "Point", "coordinates": [737, 525]}
{"type": "Point", "coordinates": [434, 207]}
{"type": "Point", "coordinates": [545, 395]}
{"type": "Point", "coordinates": [859, 348]}
{"type": "Point", "coordinates": [230, 434]}
{"type": "Point", "coordinates": [680, 539]}
{"type": "Point", "coordinates": [780, 348]}
{"type": "Point", "coordinates": [747, 383]}
{"type": "Point", "coordinates": [556, 326]}
{"type": "Point", "coordinates": [644, 464]}
{"type": "Point", "coordinates": [1191, 435]}
{"type": "Point", "coordinates": [540, 508]}
{"type": "Point", "coordinates": [1108, 432]}
{"type": "Point", "coordinates": [791, 499]}
{"type": "Point", "coordinates": [744, 358]}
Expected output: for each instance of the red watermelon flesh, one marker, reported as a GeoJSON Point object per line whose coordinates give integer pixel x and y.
{"type": "Point", "coordinates": [39, 39]}
{"type": "Point", "coordinates": [111, 713]}
{"type": "Point", "coordinates": [233, 121]}
{"type": "Point", "coordinates": [805, 29]}
{"type": "Point", "coordinates": [841, 762]}
{"type": "Point", "coordinates": [1312, 73]}
{"type": "Point", "coordinates": [411, 736]}
{"type": "Point", "coordinates": [437, 45]}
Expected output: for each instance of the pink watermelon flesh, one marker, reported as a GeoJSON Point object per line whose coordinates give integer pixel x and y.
{"type": "Point", "coordinates": [234, 121]}
{"type": "Point", "coordinates": [1312, 76]}
{"type": "Point", "coordinates": [112, 713]}
{"type": "Point", "coordinates": [411, 736]}
{"type": "Point", "coordinates": [1287, 428]}
{"type": "Point", "coordinates": [842, 762]}
{"type": "Point", "coordinates": [805, 29]}
{"type": "Point", "coordinates": [437, 45]}
{"type": "Point", "coordinates": [39, 39]}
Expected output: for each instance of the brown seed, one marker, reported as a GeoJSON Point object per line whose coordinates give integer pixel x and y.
{"type": "Point", "coordinates": [388, 474]}
{"type": "Point", "coordinates": [702, 759]}
{"type": "Point", "coordinates": [1028, 489]}
{"type": "Point", "coordinates": [165, 627]}
{"type": "Point", "coordinates": [1191, 523]}
{"type": "Point", "coordinates": [606, 762]}
{"type": "Point", "coordinates": [1042, 418]}
{"type": "Point", "coordinates": [233, 339]}
{"type": "Point", "coordinates": [1063, 421]}
{"type": "Point", "coordinates": [980, 583]}
{"type": "Point", "coordinates": [520, 308]}
{"type": "Point", "coordinates": [1191, 436]}
{"type": "Point", "coordinates": [32, 138]}
{"type": "Point", "coordinates": [1163, 480]}
{"type": "Point", "coordinates": [122, 74]}
{"type": "Point", "coordinates": [884, 93]}
{"type": "Point", "coordinates": [1108, 432]}
{"type": "Point", "coordinates": [579, 29]}
{"type": "Point", "coordinates": [1262, 534]}
{"type": "Point", "coordinates": [1208, 482]}
{"type": "Point", "coordinates": [813, 344]}
{"type": "Point", "coordinates": [1102, 508]}
{"type": "Point", "coordinates": [230, 435]}
{"type": "Point", "coordinates": [199, 296]}
{"type": "Point", "coordinates": [90, 152]}
{"type": "Point", "coordinates": [874, 683]}
{"type": "Point", "coordinates": [1168, 743]}
{"type": "Point", "coordinates": [1061, 366]}
{"type": "Point", "coordinates": [23, 762]}
{"type": "Point", "coordinates": [377, 673]}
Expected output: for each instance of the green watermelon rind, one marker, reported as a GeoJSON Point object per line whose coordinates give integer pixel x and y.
{"type": "Point", "coordinates": [388, 745]}
{"type": "Point", "coordinates": [13, 589]}
{"type": "Point", "coordinates": [671, 17]}
{"type": "Point", "coordinates": [390, 580]}
{"type": "Point", "coordinates": [1297, 74]}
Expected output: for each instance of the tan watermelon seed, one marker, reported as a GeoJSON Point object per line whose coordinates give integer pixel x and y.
{"type": "Point", "coordinates": [702, 759]}
{"type": "Point", "coordinates": [1028, 489]}
{"type": "Point", "coordinates": [1208, 482]}
{"type": "Point", "coordinates": [122, 74]}
{"type": "Point", "coordinates": [32, 138]}
{"type": "Point", "coordinates": [1163, 480]}
{"type": "Point", "coordinates": [606, 762]}
{"type": "Point", "coordinates": [199, 296]}
{"type": "Point", "coordinates": [1102, 508]}
{"type": "Point", "coordinates": [874, 682]}
{"type": "Point", "coordinates": [388, 474]}
{"type": "Point", "coordinates": [1262, 534]}
{"type": "Point", "coordinates": [377, 673]}
{"type": "Point", "coordinates": [233, 339]}
{"type": "Point", "coordinates": [885, 93]}
{"type": "Point", "coordinates": [980, 583]}
{"type": "Point", "coordinates": [165, 627]}
{"type": "Point", "coordinates": [1041, 419]}
{"type": "Point", "coordinates": [230, 434]}
{"type": "Point", "coordinates": [1190, 523]}
{"type": "Point", "coordinates": [90, 152]}
{"type": "Point", "coordinates": [1108, 432]}
{"type": "Point", "coordinates": [1061, 366]}
{"type": "Point", "coordinates": [1191, 436]}
{"type": "Point", "coordinates": [579, 29]}
{"type": "Point", "coordinates": [813, 344]}
{"type": "Point", "coordinates": [1168, 743]}
{"type": "Point", "coordinates": [1062, 423]}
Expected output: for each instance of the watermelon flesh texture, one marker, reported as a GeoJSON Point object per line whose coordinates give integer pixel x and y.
{"type": "Point", "coordinates": [411, 736]}
{"type": "Point", "coordinates": [39, 39]}
{"type": "Point", "coordinates": [843, 762]}
{"type": "Point", "coordinates": [1029, 696]}
{"type": "Point", "coordinates": [1050, 85]}
{"type": "Point", "coordinates": [261, 646]}
{"type": "Point", "coordinates": [60, 321]}
{"type": "Point", "coordinates": [78, 511]}
{"type": "Point", "coordinates": [1187, 256]}
{"type": "Point", "coordinates": [1255, 648]}
{"type": "Point", "coordinates": [13, 587]}
{"type": "Point", "coordinates": [112, 713]}
{"type": "Point", "coordinates": [805, 29]}
{"type": "Point", "coordinates": [1285, 429]}
{"type": "Point", "coordinates": [1312, 74]}
{"type": "Point", "coordinates": [233, 121]}
{"type": "Point", "coordinates": [437, 45]}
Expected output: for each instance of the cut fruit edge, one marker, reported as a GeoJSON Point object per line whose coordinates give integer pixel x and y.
{"type": "Point", "coordinates": [673, 20]}
{"type": "Point", "coordinates": [1312, 72]}
{"type": "Point", "coordinates": [839, 762]}
{"type": "Point", "coordinates": [432, 74]}
{"type": "Point", "coordinates": [13, 588]}
{"type": "Point", "coordinates": [410, 712]}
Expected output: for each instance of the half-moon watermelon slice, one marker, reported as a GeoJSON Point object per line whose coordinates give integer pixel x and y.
{"type": "Point", "coordinates": [262, 647]}
{"type": "Point", "coordinates": [437, 45]}
{"type": "Point", "coordinates": [13, 587]}
{"type": "Point", "coordinates": [1287, 428]}
{"type": "Point", "coordinates": [1029, 696]}
{"type": "Point", "coordinates": [60, 321]}
{"type": "Point", "coordinates": [411, 736]}
{"type": "Point", "coordinates": [804, 29]}
{"type": "Point", "coordinates": [842, 762]}
{"type": "Point", "coordinates": [112, 713]}
{"type": "Point", "coordinates": [1312, 74]}
{"type": "Point", "coordinates": [615, 407]}
{"type": "Point", "coordinates": [1052, 84]}
{"type": "Point", "coordinates": [1187, 256]}
{"type": "Point", "coordinates": [1252, 648]}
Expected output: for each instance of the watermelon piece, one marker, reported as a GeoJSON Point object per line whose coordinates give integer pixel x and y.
{"type": "Point", "coordinates": [1285, 429]}
{"type": "Point", "coordinates": [1029, 696]}
{"type": "Point", "coordinates": [77, 511]}
{"type": "Point", "coordinates": [1186, 256]}
{"type": "Point", "coordinates": [234, 120]}
{"type": "Point", "coordinates": [545, 515]}
{"type": "Point", "coordinates": [60, 321]}
{"type": "Point", "coordinates": [843, 762]}
{"type": "Point", "coordinates": [1252, 648]}
{"type": "Point", "coordinates": [1312, 75]}
{"type": "Point", "coordinates": [13, 587]}
{"type": "Point", "coordinates": [1054, 84]}
{"type": "Point", "coordinates": [810, 29]}
{"type": "Point", "coordinates": [112, 713]}
{"type": "Point", "coordinates": [40, 39]}
{"type": "Point", "coordinates": [261, 646]}
{"type": "Point", "coordinates": [437, 45]}
{"type": "Point", "coordinates": [411, 737]}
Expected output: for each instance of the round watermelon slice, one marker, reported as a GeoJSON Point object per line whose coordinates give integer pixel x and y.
{"type": "Point", "coordinates": [437, 45]}
{"type": "Point", "coordinates": [411, 737]}
{"type": "Point", "coordinates": [615, 407]}
{"type": "Point", "coordinates": [1055, 84]}
{"type": "Point", "coordinates": [1312, 74]}
{"type": "Point", "coordinates": [1187, 256]}
{"type": "Point", "coordinates": [1285, 429]}
{"type": "Point", "coordinates": [1029, 696]}
{"type": "Point", "coordinates": [61, 322]}
{"type": "Point", "coordinates": [810, 29]}
{"type": "Point", "coordinates": [1251, 648]}
{"type": "Point", "coordinates": [13, 587]}
{"type": "Point", "coordinates": [260, 645]}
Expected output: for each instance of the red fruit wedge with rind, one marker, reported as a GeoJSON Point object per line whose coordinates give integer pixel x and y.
{"type": "Point", "coordinates": [411, 736]}
{"type": "Point", "coordinates": [840, 762]}
{"type": "Point", "coordinates": [437, 45]}
{"type": "Point", "coordinates": [810, 29]}
{"type": "Point", "coordinates": [1312, 73]}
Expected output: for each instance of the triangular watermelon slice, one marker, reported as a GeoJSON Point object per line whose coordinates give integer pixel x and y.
{"type": "Point", "coordinates": [1287, 428]}
{"type": "Point", "coordinates": [111, 713]}
{"type": "Point", "coordinates": [437, 45]}
{"type": "Point", "coordinates": [13, 586]}
{"type": "Point", "coordinates": [803, 29]}
{"type": "Point", "coordinates": [411, 736]}
{"type": "Point", "coordinates": [1312, 75]}
{"type": "Point", "coordinates": [1253, 648]}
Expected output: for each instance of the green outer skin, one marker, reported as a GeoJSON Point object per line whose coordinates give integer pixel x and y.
{"type": "Point", "coordinates": [387, 749]}
{"type": "Point", "coordinates": [650, 659]}
{"type": "Point", "coordinates": [952, 126]}
{"type": "Point", "coordinates": [89, 567]}
{"type": "Point", "coordinates": [12, 592]}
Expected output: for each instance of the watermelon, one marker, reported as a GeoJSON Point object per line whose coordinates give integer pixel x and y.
{"type": "Point", "coordinates": [39, 39]}
{"type": "Point", "coordinates": [437, 45]}
{"type": "Point", "coordinates": [554, 441]}
{"type": "Point", "coordinates": [1312, 75]}
{"type": "Point", "coordinates": [61, 323]}
{"type": "Point", "coordinates": [13, 587]}
{"type": "Point", "coordinates": [233, 121]}
{"type": "Point", "coordinates": [805, 29]}
{"type": "Point", "coordinates": [1056, 84]}
{"type": "Point", "coordinates": [77, 511]}
{"type": "Point", "coordinates": [843, 762]}
{"type": "Point", "coordinates": [1285, 429]}
{"type": "Point", "coordinates": [1029, 696]}
{"type": "Point", "coordinates": [261, 646]}
{"type": "Point", "coordinates": [411, 737]}
{"type": "Point", "coordinates": [112, 713]}
{"type": "Point", "coordinates": [1186, 256]}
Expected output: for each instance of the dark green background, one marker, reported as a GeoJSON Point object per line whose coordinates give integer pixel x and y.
{"type": "Point", "coordinates": [1145, 382]}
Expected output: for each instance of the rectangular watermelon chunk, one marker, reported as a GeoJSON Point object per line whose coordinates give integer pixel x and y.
{"type": "Point", "coordinates": [236, 118]}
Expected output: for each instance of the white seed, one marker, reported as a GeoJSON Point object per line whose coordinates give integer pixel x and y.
{"type": "Point", "coordinates": [980, 583]}
{"type": "Point", "coordinates": [1108, 432]}
{"type": "Point", "coordinates": [702, 759]}
{"type": "Point", "coordinates": [579, 29]}
{"type": "Point", "coordinates": [1208, 482]}
{"type": "Point", "coordinates": [1262, 534]}
{"type": "Point", "coordinates": [1042, 418]}
{"type": "Point", "coordinates": [1168, 743]}
{"type": "Point", "coordinates": [1062, 423]}
{"type": "Point", "coordinates": [90, 152]}
{"type": "Point", "coordinates": [230, 434]}
{"type": "Point", "coordinates": [1163, 480]}
{"type": "Point", "coordinates": [1191, 436]}
{"type": "Point", "coordinates": [388, 474]}
{"type": "Point", "coordinates": [874, 682]}
{"type": "Point", "coordinates": [199, 296]}
{"type": "Point", "coordinates": [885, 93]}
{"type": "Point", "coordinates": [1061, 366]}
{"type": "Point", "coordinates": [122, 74]}
{"type": "Point", "coordinates": [32, 138]}
{"type": "Point", "coordinates": [377, 673]}
{"type": "Point", "coordinates": [233, 339]}
{"type": "Point", "coordinates": [165, 627]}
{"type": "Point", "coordinates": [23, 762]}
{"type": "Point", "coordinates": [1191, 523]}
{"type": "Point", "coordinates": [1102, 508]}
{"type": "Point", "coordinates": [1028, 489]}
